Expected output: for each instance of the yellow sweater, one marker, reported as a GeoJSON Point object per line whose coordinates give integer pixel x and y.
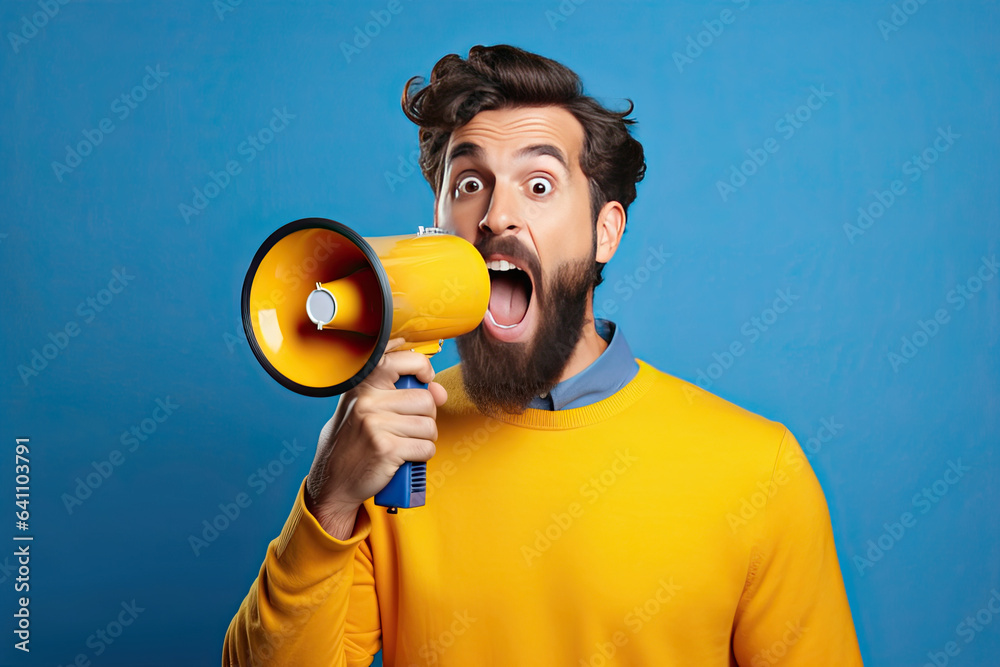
{"type": "Point", "coordinates": [660, 526]}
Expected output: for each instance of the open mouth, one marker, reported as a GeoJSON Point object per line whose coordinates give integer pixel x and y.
{"type": "Point", "coordinates": [510, 295]}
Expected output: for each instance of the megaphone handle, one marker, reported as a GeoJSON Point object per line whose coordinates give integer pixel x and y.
{"type": "Point", "coordinates": [408, 486]}
{"type": "Point", "coordinates": [410, 382]}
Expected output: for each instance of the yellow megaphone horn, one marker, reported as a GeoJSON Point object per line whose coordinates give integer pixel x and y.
{"type": "Point", "coordinates": [320, 303]}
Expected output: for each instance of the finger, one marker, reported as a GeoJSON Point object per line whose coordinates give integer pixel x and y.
{"type": "Point", "coordinates": [394, 365]}
{"type": "Point", "coordinates": [418, 402]}
{"type": "Point", "coordinates": [408, 426]}
{"type": "Point", "coordinates": [414, 449]}
{"type": "Point", "coordinates": [394, 344]}
{"type": "Point", "coordinates": [439, 393]}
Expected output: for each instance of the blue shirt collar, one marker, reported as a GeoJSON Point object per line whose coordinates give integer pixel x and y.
{"type": "Point", "coordinates": [611, 371]}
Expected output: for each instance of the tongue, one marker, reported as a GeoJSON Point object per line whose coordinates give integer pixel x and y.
{"type": "Point", "coordinates": [508, 299]}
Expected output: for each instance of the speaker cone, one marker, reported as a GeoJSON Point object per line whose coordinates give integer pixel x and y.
{"type": "Point", "coordinates": [293, 263]}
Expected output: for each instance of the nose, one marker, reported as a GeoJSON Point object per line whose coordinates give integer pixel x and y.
{"type": "Point", "coordinates": [504, 214]}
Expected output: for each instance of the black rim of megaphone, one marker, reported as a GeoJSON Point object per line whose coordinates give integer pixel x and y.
{"type": "Point", "coordinates": [383, 281]}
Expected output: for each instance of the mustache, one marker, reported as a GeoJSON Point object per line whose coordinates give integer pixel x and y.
{"type": "Point", "coordinates": [506, 245]}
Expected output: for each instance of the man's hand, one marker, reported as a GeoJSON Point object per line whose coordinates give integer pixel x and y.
{"type": "Point", "coordinates": [375, 429]}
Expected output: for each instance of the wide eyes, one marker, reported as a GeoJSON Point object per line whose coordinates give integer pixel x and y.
{"type": "Point", "coordinates": [539, 186]}
{"type": "Point", "coordinates": [469, 185]}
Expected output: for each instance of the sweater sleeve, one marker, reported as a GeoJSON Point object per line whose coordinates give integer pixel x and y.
{"type": "Point", "coordinates": [794, 608]}
{"type": "Point", "coordinates": [313, 602]}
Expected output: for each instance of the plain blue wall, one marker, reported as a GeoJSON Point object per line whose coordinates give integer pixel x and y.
{"type": "Point", "coordinates": [173, 332]}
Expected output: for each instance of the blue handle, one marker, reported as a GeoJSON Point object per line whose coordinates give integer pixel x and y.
{"type": "Point", "coordinates": [408, 487]}
{"type": "Point", "coordinates": [410, 382]}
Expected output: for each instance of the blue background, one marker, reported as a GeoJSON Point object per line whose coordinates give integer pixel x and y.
{"type": "Point", "coordinates": [174, 331]}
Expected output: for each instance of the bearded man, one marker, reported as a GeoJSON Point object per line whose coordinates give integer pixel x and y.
{"type": "Point", "coordinates": [586, 509]}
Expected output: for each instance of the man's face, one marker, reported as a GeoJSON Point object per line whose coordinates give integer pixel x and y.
{"type": "Point", "coordinates": [514, 188]}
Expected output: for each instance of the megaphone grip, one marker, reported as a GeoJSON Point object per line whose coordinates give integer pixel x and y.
{"type": "Point", "coordinates": [408, 487]}
{"type": "Point", "coordinates": [410, 382]}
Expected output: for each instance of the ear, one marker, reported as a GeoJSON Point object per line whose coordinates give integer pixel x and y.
{"type": "Point", "coordinates": [609, 230]}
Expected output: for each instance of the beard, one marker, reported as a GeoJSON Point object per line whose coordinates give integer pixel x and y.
{"type": "Point", "coordinates": [505, 377]}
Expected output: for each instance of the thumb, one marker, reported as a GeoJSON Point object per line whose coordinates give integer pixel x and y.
{"type": "Point", "coordinates": [439, 393]}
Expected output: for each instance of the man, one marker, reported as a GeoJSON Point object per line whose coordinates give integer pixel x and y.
{"type": "Point", "coordinates": [584, 508]}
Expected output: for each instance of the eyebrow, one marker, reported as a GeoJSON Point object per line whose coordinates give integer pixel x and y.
{"type": "Point", "coordinates": [474, 151]}
{"type": "Point", "coordinates": [544, 149]}
{"type": "Point", "coordinates": [466, 148]}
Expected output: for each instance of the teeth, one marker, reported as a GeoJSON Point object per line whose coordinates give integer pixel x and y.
{"type": "Point", "coordinates": [502, 265]}
{"type": "Point", "coordinates": [502, 326]}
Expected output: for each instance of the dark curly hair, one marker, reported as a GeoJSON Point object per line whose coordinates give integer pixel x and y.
{"type": "Point", "coordinates": [501, 77]}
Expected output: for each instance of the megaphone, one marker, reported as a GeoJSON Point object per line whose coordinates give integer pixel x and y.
{"type": "Point", "coordinates": [320, 303]}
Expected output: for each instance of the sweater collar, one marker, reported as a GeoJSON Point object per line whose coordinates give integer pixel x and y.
{"type": "Point", "coordinates": [612, 370]}
{"type": "Point", "coordinates": [555, 420]}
